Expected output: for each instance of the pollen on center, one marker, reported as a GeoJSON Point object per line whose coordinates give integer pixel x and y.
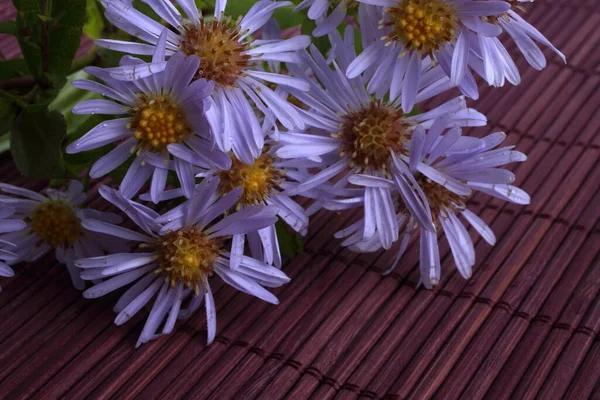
{"type": "Point", "coordinates": [56, 223]}
{"type": "Point", "coordinates": [441, 200]}
{"type": "Point", "coordinates": [370, 133]}
{"type": "Point", "coordinates": [187, 256]}
{"type": "Point", "coordinates": [220, 46]}
{"type": "Point", "coordinates": [157, 122]}
{"type": "Point", "coordinates": [257, 180]}
{"type": "Point", "coordinates": [422, 25]}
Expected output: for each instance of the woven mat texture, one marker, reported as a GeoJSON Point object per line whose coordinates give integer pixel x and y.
{"type": "Point", "coordinates": [526, 325]}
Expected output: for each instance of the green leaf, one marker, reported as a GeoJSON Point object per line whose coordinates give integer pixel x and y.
{"type": "Point", "coordinates": [146, 9]}
{"type": "Point", "coordinates": [95, 23]}
{"type": "Point", "coordinates": [287, 18]}
{"type": "Point", "coordinates": [65, 34]}
{"type": "Point", "coordinates": [14, 68]}
{"type": "Point", "coordinates": [7, 115]}
{"type": "Point", "coordinates": [4, 143]}
{"type": "Point", "coordinates": [45, 18]}
{"type": "Point", "coordinates": [8, 27]}
{"type": "Point", "coordinates": [36, 143]}
{"type": "Point", "coordinates": [200, 4]}
{"type": "Point", "coordinates": [49, 32]}
{"type": "Point", "coordinates": [29, 33]}
{"type": "Point", "coordinates": [291, 244]}
{"type": "Point", "coordinates": [414, 111]}
{"type": "Point", "coordinates": [237, 7]}
{"type": "Point", "coordinates": [57, 183]}
{"type": "Point", "coordinates": [322, 43]}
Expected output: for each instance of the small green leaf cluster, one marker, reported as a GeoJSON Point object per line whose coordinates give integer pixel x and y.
{"type": "Point", "coordinates": [49, 33]}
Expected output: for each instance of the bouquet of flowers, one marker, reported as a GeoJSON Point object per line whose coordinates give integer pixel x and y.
{"type": "Point", "coordinates": [217, 129]}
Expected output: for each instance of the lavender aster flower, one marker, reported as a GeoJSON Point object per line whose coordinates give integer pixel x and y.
{"type": "Point", "coordinates": [458, 34]}
{"type": "Point", "coordinates": [446, 174]}
{"type": "Point", "coordinates": [359, 135]}
{"type": "Point", "coordinates": [178, 258]}
{"type": "Point", "coordinates": [261, 183]}
{"type": "Point", "coordinates": [328, 13]}
{"type": "Point", "coordinates": [53, 222]}
{"type": "Point", "coordinates": [164, 124]}
{"type": "Point", "coordinates": [228, 54]}
{"type": "Point", "coordinates": [8, 225]}
{"type": "Point", "coordinates": [403, 32]}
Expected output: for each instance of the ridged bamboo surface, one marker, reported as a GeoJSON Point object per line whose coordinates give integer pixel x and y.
{"type": "Point", "coordinates": [525, 326]}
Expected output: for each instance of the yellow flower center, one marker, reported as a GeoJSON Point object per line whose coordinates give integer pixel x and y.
{"type": "Point", "coordinates": [370, 133]}
{"type": "Point", "coordinates": [157, 122]}
{"type": "Point", "coordinates": [422, 25]}
{"type": "Point", "coordinates": [56, 223]}
{"type": "Point", "coordinates": [257, 180]}
{"type": "Point", "coordinates": [187, 256]}
{"type": "Point", "coordinates": [220, 49]}
{"type": "Point", "coordinates": [441, 200]}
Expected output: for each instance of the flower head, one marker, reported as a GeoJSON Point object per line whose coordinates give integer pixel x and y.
{"type": "Point", "coordinates": [53, 222]}
{"type": "Point", "coordinates": [459, 35]}
{"type": "Point", "coordinates": [178, 256]}
{"type": "Point", "coordinates": [264, 182]}
{"type": "Point", "coordinates": [365, 137]}
{"type": "Point", "coordinates": [228, 55]}
{"type": "Point", "coordinates": [164, 125]}
{"type": "Point", "coordinates": [447, 170]}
